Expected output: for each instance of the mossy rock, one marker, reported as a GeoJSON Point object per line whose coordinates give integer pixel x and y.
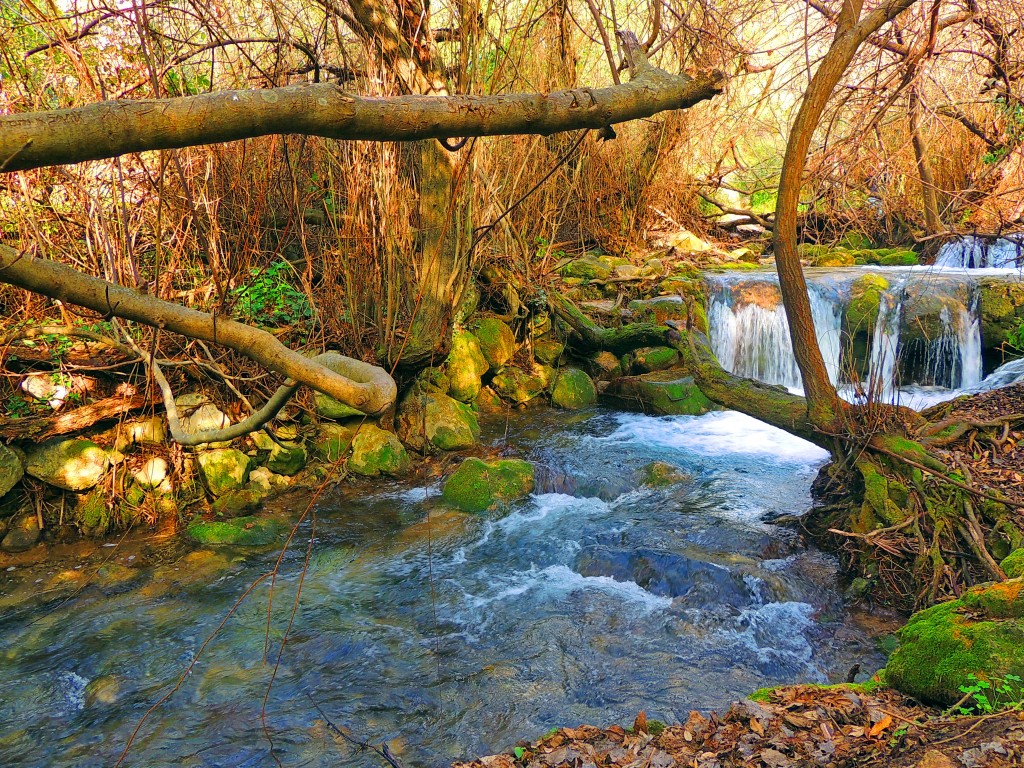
{"type": "Point", "coordinates": [865, 300]}
{"type": "Point", "coordinates": [660, 474]}
{"type": "Point", "coordinates": [94, 513]}
{"type": "Point", "coordinates": [604, 366]}
{"type": "Point", "coordinates": [855, 241]}
{"type": "Point", "coordinates": [464, 367]}
{"type": "Point", "coordinates": [73, 464]}
{"type": "Point", "coordinates": [1001, 304]}
{"type": "Point", "coordinates": [241, 531]}
{"type": "Point", "coordinates": [477, 486]}
{"type": "Point", "coordinates": [518, 386]}
{"type": "Point", "coordinates": [496, 340]}
{"type": "Point", "coordinates": [1013, 564]}
{"type": "Point", "coordinates": [284, 458]}
{"type": "Point", "coordinates": [223, 470]}
{"type": "Point", "coordinates": [686, 307]}
{"type": "Point", "coordinates": [587, 268]}
{"type": "Point", "coordinates": [11, 470]}
{"type": "Point", "coordinates": [573, 389]}
{"type": "Point", "coordinates": [22, 534]}
{"type": "Point", "coordinates": [332, 442]}
{"type": "Point", "coordinates": [237, 503]}
{"type": "Point", "coordinates": [664, 393]}
{"type": "Point", "coordinates": [548, 351]}
{"type": "Point", "coordinates": [376, 452]}
{"type": "Point", "coordinates": [650, 359]}
{"type": "Point", "coordinates": [980, 634]}
{"type": "Point", "coordinates": [437, 419]}
{"type": "Point", "coordinates": [899, 258]}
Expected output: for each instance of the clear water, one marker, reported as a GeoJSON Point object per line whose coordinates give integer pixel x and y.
{"type": "Point", "coordinates": [449, 635]}
{"type": "Point", "coordinates": [972, 252]}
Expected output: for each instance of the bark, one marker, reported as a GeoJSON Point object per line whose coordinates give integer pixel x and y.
{"type": "Point", "coordinates": [361, 385]}
{"type": "Point", "coordinates": [39, 428]}
{"type": "Point", "coordinates": [823, 402]}
{"type": "Point", "coordinates": [929, 200]}
{"type": "Point", "coordinates": [110, 128]}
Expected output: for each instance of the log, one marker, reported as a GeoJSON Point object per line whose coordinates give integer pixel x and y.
{"type": "Point", "coordinates": [38, 428]}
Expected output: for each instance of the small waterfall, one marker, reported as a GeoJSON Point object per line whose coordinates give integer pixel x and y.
{"type": "Point", "coordinates": [971, 252]}
{"type": "Point", "coordinates": [884, 353]}
{"type": "Point", "coordinates": [750, 334]}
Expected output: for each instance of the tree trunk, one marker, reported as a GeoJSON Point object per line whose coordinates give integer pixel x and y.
{"type": "Point", "coordinates": [929, 198]}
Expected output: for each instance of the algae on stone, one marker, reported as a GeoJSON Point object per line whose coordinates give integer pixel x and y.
{"type": "Point", "coordinates": [240, 531]}
{"type": "Point", "coordinates": [437, 419]}
{"type": "Point", "coordinates": [497, 342]}
{"type": "Point", "coordinates": [74, 464]}
{"type": "Point", "coordinates": [1013, 564]}
{"type": "Point", "coordinates": [573, 389]}
{"type": "Point", "coordinates": [465, 365]}
{"type": "Point", "coordinates": [223, 470]}
{"type": "Point", "coordinates": [11, 470]}
{"type": "Point", "coordinates": [375, 452]}
{"type": "Point", "coordinates": [477, 486]}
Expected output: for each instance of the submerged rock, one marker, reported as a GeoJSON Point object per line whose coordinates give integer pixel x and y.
{"type": "Point", "coordinates": [477, 486]}
{"type": "Point", "coordinates": [375, 452]}
{"type": "Point", "coordinates": [23, 534]}
{"type": "Point", "coordinates": [659, 474]}
{"type": "Point", "coordinates": [437, 419]}
{"type": "Point", "coordinates": [223, 470]}
{"type": "Point", "coordinates": [980, 634]}
{"type": "Point", "coordinates": [573, 389]}
{"type": "Point", "coordinates": [73, 464]}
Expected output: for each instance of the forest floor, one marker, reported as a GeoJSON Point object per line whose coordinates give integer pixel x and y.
{"type": "Point", "coordinates": [841, 726]}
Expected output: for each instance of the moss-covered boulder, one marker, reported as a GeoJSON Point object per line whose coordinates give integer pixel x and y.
{"type": "Point", "coordinates": [328, 408]}
{"type": "Point", "coordinates": [1013, 564]}
{"type": "Point", "coordinates": [650, 359]}
{"type": "Point", "coordinates": [548, 351]}
{"type": "Point", "coordinates": [663, 393]}
{"type": "Point", "coordinates": [11, 470]}
{"type": "Point", "coordinates": [1001, 304]}
{"type": "Point", "coordinates": [94, 512]}
{"type": "Point", "coordinates": [573, 389]}
{"type": "Point", "coordinates": [332, 441]}
{"type": "Point", "coordinates": [241, 531]}
{"type": "Point", "coordinates": [464, 367]}
{"type": "Point", "coordinates": [518, 386]}
{"type": "Point", "coordinates": [587, 268]}
{"type": "Point", "coordinates": [660, 474]}
{"type": "Point", "coordinates": [477, 486]}
{"type": "Point", "coordinates": [929, 310]}
{"type": "Point", "coordinates": [223, 470]}
{"type": "Point", "coordinates": [825, 255]}
{"type": "Point", "coordinates": [980, 634]}
{"type": "Point", "coordinates": [496, 340]}
{"type": "Point", "coordinates": [604, 366]}
{"type": "Point", "coordinates": [22, 534]}
{"type": "Point", "coordinates": [899, 257]}
{"type": "Point", "coordinates": [437, 419]}
{"type": "Point", "coordinates": [283, 458]}
{"type": "Point", "coordinates": [375, 452]}
{"type": "Point", "coordinates": [865, 299]}
{"type": "Point", "coordinates": [74, 464]}
{"type": "Point", "coordinates": [238, 503]}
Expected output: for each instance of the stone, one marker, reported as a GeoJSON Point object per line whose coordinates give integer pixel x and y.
{"type": "Point", "coordinates": [659, 474]}
{"type": "Point", "coordinates": [548, 351]}
{"type": "Point", "coordinates": [95, 513]}
{"type": "Point", "coordinates": [664, 393]}
{"type": "Point", "coordinates": [687, 242]}
{"type": "Point", "coordinates": [11, 469]}
{"type": "Point", "coordinates": [587, 268]}
{"type": "Point", "coordinates": [935, 759]}
{"type": "Point", "coordinates": [1001, 304]}
{"type": "Point", "coordinates": [104, 691]}
{"type": "Point", "coordinates": [437, 419]}
{"type": "Point", "coordinates": [264, 482]}
{"type": "Point", "coordinates": [980, 634]}
{"type": "Point", "coordinates": [238, 503]}
{"type": "Point", "coordinates": [649, 359]}
{"type": "Point", "coordinates": [496, 340]}
{"type": "Point", "coordinates": [865, 299]}
{"type": "Point", "coordinates": [465, 365]}
{"type": "Point", "coordinates": [488, 400]}
{"type": "Point", "coordinates": [627, 271]}
{"type": "Point", "coordinates": [74, 464]}
{"type": "Point", "coordinates": [149, 431]}
{"type": "Point", "coordinates": [518, 386]}
{"type": "Point", "coordinates": [223, 470]}
{"type": "Point", "coordinates": [152, 473]}
{"type": "Point", "coordinates": [1013, 564]}
{"type": "Point", "coordinates": [332, 442]}
{"type": "Point", "coordinates": [477, 486]}
{"type": "Point", "coordinates": [23, 534]}
{"type": "Point", "coordinates": [899, 258]}
{"type": "Point", "coordinates": [327, 407]}
{"type": "Point", "coordinates": [573, 389]}
{"type": "Point", "coordinates": [284, 458]}
{"type": "Point", "coordinates": [605, 366]}
{"type": "Point", "coordinates": [241, 531]}
{"type": "Point", "coordinates": [375, 452]}
{"type": "Point", "coordinates": [198, 414]}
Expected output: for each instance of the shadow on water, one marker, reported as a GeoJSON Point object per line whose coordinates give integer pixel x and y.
{"type": "Point", "coordinates": [450, 635]}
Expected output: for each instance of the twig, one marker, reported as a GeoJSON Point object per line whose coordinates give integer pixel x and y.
{"type": "Point", "coordinates": [382, 750]}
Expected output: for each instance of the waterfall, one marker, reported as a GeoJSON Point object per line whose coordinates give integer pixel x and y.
{"type": "Point", "coordinates": [884, 348]}
{"type": "Point", "coordinates": [971, 252]}
{"type": "Point", "coordinates": [752, 340]}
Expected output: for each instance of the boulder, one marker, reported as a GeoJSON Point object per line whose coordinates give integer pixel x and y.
{"type": "Point", "coordinates": [238, 503]}
{"type": "Point", "coordinates": [663, 393]}
{"type": "Point", "coordinates": [477, 486]}
{"type": "Point", "coordinates": [438, 419]}
{"type": "Point", "coordinates": [573, 389]}
{"type": "Point", "coordinates": [604, 366]}
{"type": "Point", "coordinates": [327, 407]}
{"type": "Point", "coordinates": [979, 634]}
{"type": "Point", "coordinates": [659, 474]}
{"type": "Point", "coordinates": [375, 452]}
{"type": "Point", "coordinates": [284, 458]}
{"type": "Point", "coordinates": [518, 386]}
{"type": "Point", "coordinates": [548, 351]}
{"type": "Point", "coordinates": [23, 534]}
{"type": "Point", "coordinates": [587, 268]}
{"type": "Point", "coordinates": [148, 431]}
{"type": "Point", "coordinates": [650, 359]}
{"type": "Point", "coordinates": [465, 365]}
{"type": "Point", "coordinates": [198, 414]}
{"type": "Point", "coordinates": [240, 531]}
{"type": "Point", "coordinates": [11, 470]}
{"type": "Point", "coordinates": [1001, 303]}
{"type": "Point", "coordinates": [1013, 564]}
{"type": "Point", "coordinates": [686, 241]}
{"type": "Point", "coordinates": [332, 441]}
{"type": "Point", "coordinates": [223, 470]}
{"type": "Point", "coordinates": [152, 473]}
{"type": "Point", "coordinates": [496, 340]}
{"type": "Point", "coordinates": [865, 298]}
{"type": "Point", "coordinates": [74, 464]}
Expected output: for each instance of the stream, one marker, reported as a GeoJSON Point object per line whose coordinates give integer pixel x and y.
{"type": "Point", "coordinates": [444, 634]}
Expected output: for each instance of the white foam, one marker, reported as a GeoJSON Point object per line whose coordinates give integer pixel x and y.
{"type": "Point", "coordinates": [775, 632]}
{"type": "Point", "coordinates": [718, 434]}
{"type": "Point", "coordinates": [71, 690]}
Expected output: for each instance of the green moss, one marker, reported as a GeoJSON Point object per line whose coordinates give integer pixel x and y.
{"type": "Point", "coordinates": [375, 452]}
{"type": "Point", "coordinates": [877, 495]}
{"type": "Point", "coordinates": [237, 503]}
{"type": "Point", "coordinates": [548, 351]}
{"type": "Point", "coordinates": [762, 695]}
{"type": "Point", "coordinates": [664, 393]}
{"type": "Point", "coordinates": [477, 486]}
{"type": "Point", "coordinates": [94, 513]}
{"type": "Point", "coordinates": [496, 340]}
{"type": "Point", "coordinates": [241, 531]}
{"type": "Point", "coordinates": [587, 269]}
{"type": "Point", "coordinates": [573, 389]}
{"type": "Point", "coordinates": [1013, 564]}
{"type": "Point", "coordinates": [223, 470]}
{"type": "Point", "coordinates": [648, 359]}
{"type": "Point", "coordinates": [517, 386]}
{"type": "Point", "coordinates": [659, 474]}
{"type": "Point", "coordinates": [855, 241]}
{"type": "Point", "coordinates": [332, 442]}
{"type": "Point", "coordinates": [899, 258]}
{"type": "Point", "coordinates": [865, 299]}
{"type": "Point", "coordinates": [941, 646]}
{"type": "Point", "coordinates": [465, 365]}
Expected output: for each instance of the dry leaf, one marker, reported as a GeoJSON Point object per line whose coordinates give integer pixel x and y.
{"type": "Point", "coordinates": [640, 724]}
{"type": "Point", "coordinates": [756, 727]}
{"type": "Point", "coordinates": [880, 726]}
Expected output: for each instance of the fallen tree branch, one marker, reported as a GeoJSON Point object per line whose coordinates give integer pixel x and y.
{"type": "Point", "coordinates": [40, 428]}
{"type": "Point", "coordinates": [361, 385]}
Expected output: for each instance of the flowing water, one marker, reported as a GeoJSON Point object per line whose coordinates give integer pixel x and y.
{"type": "Point", "coordinates": [448, 635]}
{"type": "Point", "coordinates": [978, 252]}
{"type": "Point", "coordinates": [925, 347]}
